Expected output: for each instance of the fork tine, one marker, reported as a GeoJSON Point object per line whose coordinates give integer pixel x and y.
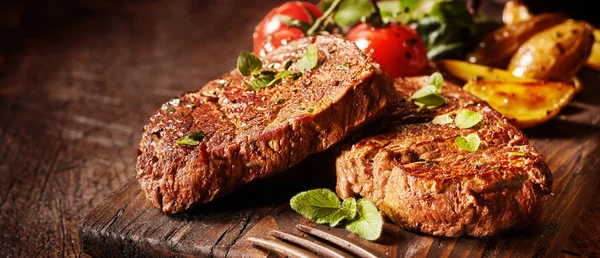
{"type": "Point", "coordinates": [355, 248]}
{"type": "Point", "coordinates": [283, 248]}
{"type": "Point", "coordinates": [320, 250]}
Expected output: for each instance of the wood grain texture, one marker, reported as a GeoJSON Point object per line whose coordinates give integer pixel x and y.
{"type": "Point", "coordinates": [79, 79]}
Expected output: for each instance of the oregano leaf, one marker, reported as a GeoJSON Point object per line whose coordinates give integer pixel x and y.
{"type": "Point", "coordinates": [248, 63]}
{"type": "Point", "coordinates": [310, 60]}
{"type": "Point", "coordinates": [442, 119]}
{"type": "Point", "coordinates": [467, 119]}
{"type": "Point", "coordinates": [469, 143]}
{"type": "Point", "coordinates": [368, 223]}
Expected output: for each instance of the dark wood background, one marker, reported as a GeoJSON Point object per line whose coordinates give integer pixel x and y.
{"type": "Point", "coordinates": [78, 80]}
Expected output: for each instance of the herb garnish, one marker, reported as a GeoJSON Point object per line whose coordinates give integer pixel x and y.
{"type": "Point", "coordinates": [517, 153]}
{"type": "Point", "coordinates": [310, 60]}
{"type": "Point", "coordinates": [323, 206]}
{"type": "Point", "coordinates": [469, 143]}
{"type": "Point", "coordinates": [261, 80]}
{"type": "Point", "coordinates": [467, 119]}
{"type": "Point", "coordinates": [248, 63]}
{"type": "Point", "coordinates": [429, 96]}
{"type": "Point", "coordinates": [442, 119]}
{"type": "Point", "coordinates": [369, 223]}
{"type": "Point", "coordinates": [279, 101]}
{"type": "Point", "coordinates": [191, 139]}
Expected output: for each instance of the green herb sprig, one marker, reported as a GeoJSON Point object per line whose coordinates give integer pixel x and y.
{"type": "Point", "coordinates": [442, 119]}
{"type": "Point", "coordinates": [517, 154]}
{"type": "Point", "coordinates": [191, 139]}
{"type": "Point", "coordinates": [469, 143]}
{"type": "Point", "coordinates": [429, 96]}
{"type": "Point", "coordinates": [467, 119]}
{"type": "Point", "coordinates": [323, 206]}
{"type": "Point", "coordinates": [310, 60]}
{"type": "Point", "coordinates": [250, 65]}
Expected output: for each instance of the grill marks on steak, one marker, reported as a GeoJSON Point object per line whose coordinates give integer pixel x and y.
{"type": "Point", "coordinates": [254, 134]}
{"type": "Point", "coordinates": [418, 177]}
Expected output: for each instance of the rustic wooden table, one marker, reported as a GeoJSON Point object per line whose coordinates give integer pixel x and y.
{"type": "Point", "coordinates": [77, 83]}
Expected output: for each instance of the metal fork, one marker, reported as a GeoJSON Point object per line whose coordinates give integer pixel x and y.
{"type": "Point", "coordinates": [313, 248]}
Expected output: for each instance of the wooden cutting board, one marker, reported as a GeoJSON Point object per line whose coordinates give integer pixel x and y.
{"type": "Point", "coordinates": [126, 224]}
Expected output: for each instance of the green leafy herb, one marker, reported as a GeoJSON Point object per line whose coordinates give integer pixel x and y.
{"type": "Point", "coordinates": [498, 168]}
{"type": "Point", "coordinates": [389, 10]}
{"type": "Point", "coordinates": [349, 12]}
{"type": "Point", "coordinates": [428, 97]}
{"type": "Point", "coordinates": [286, 74]}
{"type": "Point", "coordinates": [350, 205]}
{"type": "Point", "coordinates": [442, 119]}
{"type": "Point", "coordinates": [436, 80]}
{"type": "Point", "coordinates": [469, 143]}
{"type": "Point", "coordinates": [322, 206]}
{"type": "Point", "coordinates": [467, 119]}
{"type": "Point", "coordinates": [279, 101]}
{"type": "Point", "coordinates": [310, 110]}
{"type": "Point", "coordinates": [517, 153]}
{"type": "Point", "coordinates": [191, 139]}
{"type": "Point", "coordinates": [369, 223]}
{"type": "Point", "coordinates": [248, 63]}
{"type": "Point", "coordinates": [310, 60]}
{"type": "Point", "coordinates": [442, 24]}
{"type": "Point", "coordinates": [261, 80]}
{"type": "Point", "coordinates": [253, 164]}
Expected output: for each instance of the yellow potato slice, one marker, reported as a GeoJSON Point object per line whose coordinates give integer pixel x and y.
{"type": "Point", "coordinates": [526, 104]}
{"type": "Point", "coordinates": [577, 84]}
{"type": "Point", "coordinates": [468, 71]}
{"type": "Point", "coordinates": [593, 60]}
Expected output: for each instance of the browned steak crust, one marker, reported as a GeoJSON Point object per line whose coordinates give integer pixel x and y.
{"type": "Point", "coordinates": [254, 134]}
{"type": "Point", "coordinates": [419, 178]}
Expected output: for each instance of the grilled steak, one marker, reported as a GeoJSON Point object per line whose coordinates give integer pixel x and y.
{"type": "Point", "coordinates": [419, 178]}
{"type": "Point", "coordinates": [254, 134]}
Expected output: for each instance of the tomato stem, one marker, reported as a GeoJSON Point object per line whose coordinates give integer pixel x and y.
{"type": "Point", "coordinates": [375, 19]}
{"type": "Point", "coordinates": [319, 22]}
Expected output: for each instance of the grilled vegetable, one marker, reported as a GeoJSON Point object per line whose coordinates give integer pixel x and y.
{"type": "Point", "coordinates": [468, 71]}
{"type": "Point", "coordinates": [526, 104]}
{"type": "Point", "coordinates": [514, 12]}
{"type": "Point", "coordinates": [594, 60]}
{"type": "Point", "coordinates": [554, 54]}
{"type": "Point", "coordinates": [498, 47]}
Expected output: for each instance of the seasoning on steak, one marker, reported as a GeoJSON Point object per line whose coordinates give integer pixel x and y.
{"type": "Point", "coordinates": [254, 134]}
{"type": "Point", "coordinates": [419, 178]}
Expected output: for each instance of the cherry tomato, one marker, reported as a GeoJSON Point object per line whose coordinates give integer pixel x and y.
{"type": "Point", "coordinates": [271, 33]}
{"type": "Point", "coordinates": [398, 49]}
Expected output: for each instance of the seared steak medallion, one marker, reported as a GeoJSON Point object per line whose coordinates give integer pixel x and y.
{"type": "Point", "coordinates": [254, 134]}
{"type": "Point", "coordinates": [417, 176]}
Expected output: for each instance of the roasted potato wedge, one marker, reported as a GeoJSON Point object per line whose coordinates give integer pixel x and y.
{"type": "Point", "coordinates": [498, 47]}
{"type": "Point", "coordinates": [526, 104]}
{"type": "Point", "coordinates": [466, 71]}
{"type": "Point", "coordinates": [554, 54]}
{"type": "Point", "coordinates": [593, 60]}
{"type": "Point", "coordinates": [577, 84]}
{"type": "Point", "coordinates": [514, 12]}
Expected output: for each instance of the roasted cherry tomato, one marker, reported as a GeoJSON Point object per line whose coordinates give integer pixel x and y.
{"type": "Point", "coordinates": [398, 49]}
{"type": "Point", "coordinates": [272, 33]}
